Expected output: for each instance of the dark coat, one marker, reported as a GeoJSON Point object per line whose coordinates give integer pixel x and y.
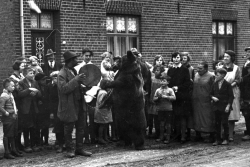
{"type": "Point", "coordinates": [48, 70]}
{"type": "Point", "coordinates": [53, 98]}
{"type": "Point", "coordinates": [69, 96]}
{"type": "Point", "coordinates": [245, 87]}
{"type": "Point", "coordinates": [26, 99]}
{"type": "Point", "coordinates": [224, 94]}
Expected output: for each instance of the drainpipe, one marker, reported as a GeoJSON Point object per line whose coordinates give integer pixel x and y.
{"type": "Point", "coordinates": [22, 29]}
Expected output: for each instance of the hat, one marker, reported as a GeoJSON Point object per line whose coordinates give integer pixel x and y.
{"type": "Point", "coordinates": [31, 58]}
{"type": "Point", "coordinates": [134, 51]}
{"type": "Point", "coordinates": [247, 48]}
{"type": "Point", "coordinates": [40, 76]}
{"type": "Point", "coordinates": [54, 74]}
{"type": "Point", "coordinates": [50, 52]}
{"type": "Point", "coordinates": [68, 55]}
{"type": "Point", "coordinates": [248, 65]}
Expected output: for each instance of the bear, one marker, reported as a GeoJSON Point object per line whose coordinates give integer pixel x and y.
{"type": "Point", "coordinates": [129, 102]}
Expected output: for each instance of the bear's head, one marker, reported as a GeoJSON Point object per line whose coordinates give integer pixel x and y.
{"type": "Point", "coordinates": [129, 63]}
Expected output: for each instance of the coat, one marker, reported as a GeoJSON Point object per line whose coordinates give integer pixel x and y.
{"type": "Point", "coordinates": [69, 96]}
{"type": "Point", "coordinates": [224, 94]}
{"type": "Point", "coordinates": [48, 70]}
{"type": "Point", "coordinates": [25, 98]}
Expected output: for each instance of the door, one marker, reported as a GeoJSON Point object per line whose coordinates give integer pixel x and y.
{"type": "Point", "coordinates": [41, 41]}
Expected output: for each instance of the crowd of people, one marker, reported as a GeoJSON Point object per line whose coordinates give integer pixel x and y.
{"type": "Point", "coordinates": [177, 99]}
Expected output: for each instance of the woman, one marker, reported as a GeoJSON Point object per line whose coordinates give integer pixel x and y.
{"type": "Point", "coordinates": [185, 62]}
{"type": "Point", "coordinates": [233, 76]}
{"type": "Point", "coordinates": [158, 61]}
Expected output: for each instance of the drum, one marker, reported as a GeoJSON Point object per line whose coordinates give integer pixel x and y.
{"type": "Point", "coordinates": [93, 74]}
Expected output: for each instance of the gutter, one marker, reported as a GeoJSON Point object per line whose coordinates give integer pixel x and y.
{"type": "Point", "coordinates": [22, 29]}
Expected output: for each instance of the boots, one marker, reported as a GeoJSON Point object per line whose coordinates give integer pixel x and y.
{"type": "Point", "coordinates": [13, 148]}
{"type": "Point", "coordinates": [18, 145]}
{"type": "Point", "coordinates": [7, 154]}
{"type": "Point", "coordinates": [168, 129]}
{"type": "Point", "coordinates": [27, 148]}
{"type": "Point", "coordinates": [100, 135]}
{"type": "Point", "coordinates": [161, 138]}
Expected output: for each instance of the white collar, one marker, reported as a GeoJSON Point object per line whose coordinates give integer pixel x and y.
{"type": "Point", "coordinates": [179, 65]}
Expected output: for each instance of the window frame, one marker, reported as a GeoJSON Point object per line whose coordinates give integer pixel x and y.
{"type": "Point", "coordinates": [39, 20]}
{"type": "Point", "coordinates": [126, 34]}
{"type": "Point", "coordinates": [226, 37]}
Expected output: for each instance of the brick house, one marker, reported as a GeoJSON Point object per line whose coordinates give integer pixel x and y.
{"type": "Point", "coordinates": [205, 28]}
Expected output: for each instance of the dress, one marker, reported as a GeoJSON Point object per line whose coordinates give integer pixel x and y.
{"type": "Point", "coordinates": [233, 75]}
{"type": "Point", "coordinates": [202, 110]}
{"type": "Point", "coordinates": [156, 83]}
{"type": "Point", "coordinates": [103, 115]}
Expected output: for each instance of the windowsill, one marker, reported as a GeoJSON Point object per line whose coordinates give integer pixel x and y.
{"type": "Point", "coordinates": [40, 29]}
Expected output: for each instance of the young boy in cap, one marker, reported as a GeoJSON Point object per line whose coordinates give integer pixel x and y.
{"type": "Point", "coordinates": [44, 113]}
{"type": "Point", "coordinates": [245, 95]}
{"type": "Point", "coordinates": [9, 119]}
{"type": "Point", "coordinates": [222, 97]}
{"type": "Point", "coordinates": [53, 106]}
{"type": "Point", "coordinates": [28, 91]}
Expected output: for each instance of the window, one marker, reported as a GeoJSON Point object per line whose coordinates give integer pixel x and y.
{"type": "Point", "coordinates": [223, 37]}
{"type": "Point", "coordinates": [122, 34]}
{"type": "Point", "coordinates": [41, 21]}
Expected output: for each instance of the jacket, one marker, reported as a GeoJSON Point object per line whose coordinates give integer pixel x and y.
{"type": "Point", "coordinates": [25, 98]}
{"type": "Point", "coordinates": [224, 94]}
{"type": "Point", "coordinates": [69, 96]}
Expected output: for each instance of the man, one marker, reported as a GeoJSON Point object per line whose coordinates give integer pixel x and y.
{"type": "Point", "coordinates": [70, 109]}
{"type": "Point", "coordinates": [50, 65]}
{"type": "Point", "coordinates": [202, 109]}
{"type": "Point", "coordinates": [180, 82]}
{"type": "Point", "coordinates": [87, 57]}
{"type": "Point", "coordinates": [89, 111]}
{"type": "Point", "coordinates": [245, 101]}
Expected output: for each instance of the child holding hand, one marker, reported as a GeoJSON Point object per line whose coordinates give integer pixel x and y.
{"type": "Point", "coordinates": [163, 98]}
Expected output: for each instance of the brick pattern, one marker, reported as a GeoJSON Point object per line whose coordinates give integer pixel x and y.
{"type": "Point", "coordinates": [124, 7]}
{"type": "Point", "coordinates": [219, 14]}
{"type": "Point", "coordinates": [49, 4]}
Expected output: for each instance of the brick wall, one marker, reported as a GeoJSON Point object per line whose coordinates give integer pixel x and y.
{"type": "Point", "coordinates": [164, 30]}
{"type": "Point", "coordinates": [8, 38]}
{"type": "Point", "coordinates": [83, 26]}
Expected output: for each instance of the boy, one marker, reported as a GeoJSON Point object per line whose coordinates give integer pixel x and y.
{"type": "Point", "coordinates": [9, 119]}
{"type": "Point", "coordinates": [28, 92]}
{"type": "Point", "coordinates": [53, 106]}
{"type": "Point", "coordinates": [44, 113]}
{"type": "Point", "coordinates": [163, 98]}
{"type": "Point", "coordinates": [222, 97]}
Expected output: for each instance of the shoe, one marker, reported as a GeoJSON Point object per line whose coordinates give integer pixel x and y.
{"type": "Point", "coordinates": [216, 143]}
{"type": "Point", "coordinates": [35, 149]}
{"type": "Point", "coordinates": [140, 148]}
{"type": "Point", "coordinates": [83, 153]}
{"type": "Point", "coordinates": [102, 141]}
{"type": "Point", "coordinates": [245, 138]}
{"type": "Point", "coordinates": [225, 142]}
{"type": "Point", "coordinates": [27, 150]}
{"type": "Point", "coordinates": [16, 154]}
{"type": "Point", "coordinates": [114, 139]}
{"type": "Point", "coordinates": [183, 141]}
{"type": "Point", "coordinates": [166, 142]}
{"type": "Point", "coordinates": [8, 156]}
{"type": "Point", "coordinates": [70, 154]}
{"type": "Point", "coordinates": [231, 139]}
{"type": "Point", "coordinates": [59, 150]}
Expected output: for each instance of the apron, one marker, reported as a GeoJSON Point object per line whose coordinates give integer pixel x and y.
{"type": "Point", "coordinates": [235, 113]}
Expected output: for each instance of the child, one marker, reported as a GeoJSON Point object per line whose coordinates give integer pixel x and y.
{"type": "Point", "coordinates": [103, 116]}
{"type": "Point", "coordinates": [44, 113]}
{"type": "Point", "coordinates": [152, 113]}
{"type": "Point", "coordinates": [28, 92]}
{"type": "Point", "coordinates": [163, 98]}
{"type": "Point", "coordinates": [106, 64]}
{"type": "Point", "coordinates": [34, 64]}
{"type": "Point", "coordinates": [53, 106]}
{"type": "Point", "coordinates": [9, 119]}
{"type": "Point", "coordinates": [222, 97]}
